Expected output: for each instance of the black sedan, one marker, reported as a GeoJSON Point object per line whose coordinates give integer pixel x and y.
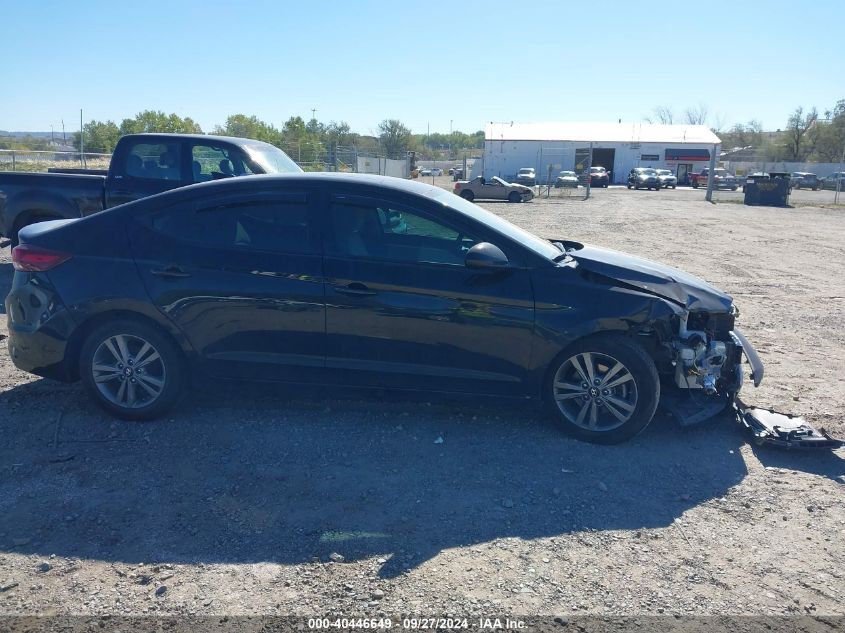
{"type": "Point", "coordinates": [363, 281]}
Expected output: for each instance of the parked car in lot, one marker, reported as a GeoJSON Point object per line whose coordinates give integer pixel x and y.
{"type": "Point", "coordinates": [436, 171]}
{"type": "Point", "coordinates": [644, 178]}
{"type": "Point", "coordinates": [493, 189]}
{"type": "Point", "coordinates": [307, 278]}
{"type": "Point", "coordinates": [526, 176]}
{"type": "Point", "coordinates": [805, 180]}
{"type": "Point", "coordinates": [142, 165]}
{"type": "Point", "coordinates": [598, 177]}
{"type": "Point", "coordinates": [566, 179]}
{"type": "Point", "coordinates": [667, 178]}
{"type": "Point", "coordinates": [425, 171]}
{"type": "Point", "coordinates": [829, 182]}
{"type": "Point", "coordinates": [722, 179]}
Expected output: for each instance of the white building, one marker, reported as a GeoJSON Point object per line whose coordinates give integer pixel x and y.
{"type": "Point", "coordinates": [616, 146]}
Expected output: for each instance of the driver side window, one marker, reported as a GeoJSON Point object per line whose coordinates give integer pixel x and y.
{"type": "Point", "coordinates": [376, 231]}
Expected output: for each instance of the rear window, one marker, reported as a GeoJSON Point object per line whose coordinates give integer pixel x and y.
{"type": "Point", "coordinates": [263, 225]}
{"type": "Point", "coordinates": [155, 161]}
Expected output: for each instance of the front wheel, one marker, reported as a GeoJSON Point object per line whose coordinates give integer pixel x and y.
{"type": "Point", "coordinates": [513, 196]}
{"type": "Point", "coordinates": [603, 389]}
{"type": "Point", "coordinates": [466, 194]}
{"type": "Point", "coordinates": [131, 369]}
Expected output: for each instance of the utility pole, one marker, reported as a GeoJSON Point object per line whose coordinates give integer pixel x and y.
{"type": "Point", "coordinates": [81, 140]}
{"type": "Point", "coordinates": [64, 136]}
{"type": "Point", "coordinates": [587, 171]}
{"type": "Point", "coordinates": [710, 175]}
{"type": "Point", "coordinates": [839, 178]}
{"type": "Point", "coordinates": [450, 139]}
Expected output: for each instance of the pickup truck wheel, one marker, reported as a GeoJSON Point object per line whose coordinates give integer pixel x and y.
{"type": "Point", "coordinates": [466, 194]}
{"type": "Point", "coordinates": [629, 185]}
{"type": "Point", "coordinates": [30, 220]}
{"type": "Point", "coordinates": [513, 196]}
{"type": "Point", "coordinates": [694, 185]}
{"type": "Point", "coordinates": [131, 369]}
{"type": "Point", "coordinates": [603, 389]}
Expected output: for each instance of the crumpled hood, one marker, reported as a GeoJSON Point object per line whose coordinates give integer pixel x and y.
{"type": "Point", "coordinates": [663, 281]}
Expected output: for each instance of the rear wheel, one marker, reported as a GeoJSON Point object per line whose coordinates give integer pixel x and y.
{"type": "Point", "coordinates": [466, 194]}
{"type": "Point", "coordinates": [513, 196]}
{"type": "Point", "coordinates": [131, 369]}
{"type": "Point", "coordinates": [603, 389]}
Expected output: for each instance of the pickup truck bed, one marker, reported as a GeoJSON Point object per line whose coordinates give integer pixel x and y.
{"type": "Point", "coordinates": [142, 165]}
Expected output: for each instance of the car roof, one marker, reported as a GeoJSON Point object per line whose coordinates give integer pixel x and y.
{"type": "Point", "coordinates": [244, 184]}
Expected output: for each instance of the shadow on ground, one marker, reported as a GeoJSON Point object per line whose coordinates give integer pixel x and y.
{"type": "Point", "coordinates": [247, 474]}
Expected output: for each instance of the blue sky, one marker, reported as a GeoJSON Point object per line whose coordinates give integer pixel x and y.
{"type": "Point", "coordinates": [425, 63]}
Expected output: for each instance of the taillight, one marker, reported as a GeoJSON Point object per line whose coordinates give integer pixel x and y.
{"type": "Point", "coordinates": [457, 187]}
{"type": "Point", "coordinates": [28, 258]}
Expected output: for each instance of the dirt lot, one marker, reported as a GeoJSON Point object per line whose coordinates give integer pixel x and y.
{"type": "Point", "coordinates": [263, 500]}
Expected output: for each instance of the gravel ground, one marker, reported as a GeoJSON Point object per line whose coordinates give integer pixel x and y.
{"type": "Point", "coordinates": [269, 500]}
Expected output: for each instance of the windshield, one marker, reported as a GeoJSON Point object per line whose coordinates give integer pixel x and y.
{"type": "Point", "coordinates": [596, 170]}
{"type": "Point", "coordinates": [525, 170]}
{"type": "Point", "coordinates": [541, 247]}
{"type": "Point", "coordinates": [648, 172]}
{"type": "Point", "coordinates": [500, 181]}
{"type": "Point", "coordinates": [567, 173]}
{"type": "Point", "coordinates": [270, 158]}
{"type": "Point", "coordinates": [664, 172]}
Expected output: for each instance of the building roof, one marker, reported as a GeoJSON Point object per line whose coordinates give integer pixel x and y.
{"type": "Point", "coordinates": [600, 132]}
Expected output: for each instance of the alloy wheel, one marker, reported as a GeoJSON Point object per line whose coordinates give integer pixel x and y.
{"type": "Point", "coordinates": [595, 391]}
{"type": "Point", "coordinates": [128, 371]}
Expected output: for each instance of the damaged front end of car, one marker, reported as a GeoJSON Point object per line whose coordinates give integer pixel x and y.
{"type": "Point", "coordinates": [706, 354]}
{"type": "Point", "coordinates": [698, 350]}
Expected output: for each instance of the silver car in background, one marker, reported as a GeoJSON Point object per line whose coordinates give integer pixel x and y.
{"type": "Point", "coordinates": [667, 178]}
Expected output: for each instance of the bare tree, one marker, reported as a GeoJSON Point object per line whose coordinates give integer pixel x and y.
{"type": "Point", "coordinates": [799, 141]}
{"type": "Point", "coordinates": [696, 115]}
{"type": "Point", "coordinates": [661, 114]}
{"type": "Point", "coordinates": [718, 123]}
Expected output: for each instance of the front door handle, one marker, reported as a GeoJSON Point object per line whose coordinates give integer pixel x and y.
{"type": "Point", "coordinates": [171, 272]}
{"type": "Point", "coordinates": [355, 289]}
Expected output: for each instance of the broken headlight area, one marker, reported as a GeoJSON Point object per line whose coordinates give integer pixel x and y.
{"type": "Point", "coordinates": [705, 355]}
{"type": "Point", "coordinates": [705, 365]}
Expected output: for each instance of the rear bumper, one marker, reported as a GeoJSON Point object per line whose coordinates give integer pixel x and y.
{"type": "Point", "coordinates": [39, 329]}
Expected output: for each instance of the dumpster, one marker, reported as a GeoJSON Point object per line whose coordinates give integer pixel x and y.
{"type": "Point", "coordinates": [771, 189]}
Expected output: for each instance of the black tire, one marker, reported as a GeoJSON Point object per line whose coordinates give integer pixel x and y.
{"type": "Point", "coordinates": [640, 391]}
{"type": "Point", "coordinates": [513, 196]}
{"type": "Point", "coordinates": [637, 187]}
{"type": "Point", "coordinates": [33, 220]}
{"type": "Point", "coordinates": [695, 185]}
{"type": "Point", "coordinates": [674, 186]}
{"type": "Point", "coordinates": [167, 369]}
{"type": "Point", "coordinates": [466, 194]}
{"type": "Point", "coordinates": [733, 188]}
{"type": "Point", "coordinates": [629, 185]}
{"type": "Point", "coordinates": [657, 188]}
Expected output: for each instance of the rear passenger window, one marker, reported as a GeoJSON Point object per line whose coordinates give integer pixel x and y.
{"type": "Point", "coordinates": [268, 225]}
{"type": "Point", "coordinates": [155, 161]}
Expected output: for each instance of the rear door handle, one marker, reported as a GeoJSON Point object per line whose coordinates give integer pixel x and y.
{"type": "Point", "coordinates": [171, 272]}
{"type": "Point", "coordinates": [355, 289]}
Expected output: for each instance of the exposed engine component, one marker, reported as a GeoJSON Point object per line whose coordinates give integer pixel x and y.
{"type": "Point", "coordinates": [699, 359]}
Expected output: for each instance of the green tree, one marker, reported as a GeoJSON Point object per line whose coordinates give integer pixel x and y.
{"type": "Point", "coordinates": [830, 139]}
{"type": "Point", "coordinates": [100, 136]}
{"type": "Point", "coordinates": [395, 138]}
{"type": "Point", "coordinates": [158, 121]}
{"type": "Point", "coordinates": [244, 126]}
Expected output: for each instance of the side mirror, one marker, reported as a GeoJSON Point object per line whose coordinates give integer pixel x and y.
{"type": "Point", "coordinates": [486, 256]}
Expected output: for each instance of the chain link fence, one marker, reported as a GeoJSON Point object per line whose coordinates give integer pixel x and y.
{"type": "Point", "coordinates": [17, 160]}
